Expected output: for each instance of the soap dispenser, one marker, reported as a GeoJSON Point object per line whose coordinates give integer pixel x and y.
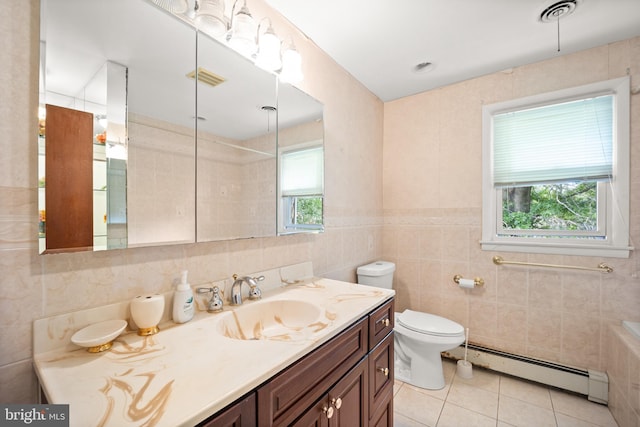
{"type": "Point", "coordinates": [183, 309]}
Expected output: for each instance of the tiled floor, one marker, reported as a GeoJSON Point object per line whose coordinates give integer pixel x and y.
{"type": "Point", "coordinates": [492, 399]}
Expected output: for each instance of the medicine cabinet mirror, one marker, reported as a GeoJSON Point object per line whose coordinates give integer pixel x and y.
{"type": "Point", "coordinates": [162, 168]}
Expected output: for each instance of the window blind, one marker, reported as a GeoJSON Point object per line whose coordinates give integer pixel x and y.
{"type": "Point", "coordinates": [303, 172]}
{"type": "Point", "coordinates": [569, 141]}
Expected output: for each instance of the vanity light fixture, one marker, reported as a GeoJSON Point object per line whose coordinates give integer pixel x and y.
{"type": "Point", "coordinates": [240, 33]}
{"type": "Point", "coordinates": [291, 71]}
{"type": "Point", "coordinates": [210, 17]}
{"type": "Point", "coordinates": [241, 36]}
{"type": "Point", "coordinates": [268, 55]}
{"type": "Point", "coordinates": [102, 120]}
{"type": "Point", "coordinates": [173, 6]}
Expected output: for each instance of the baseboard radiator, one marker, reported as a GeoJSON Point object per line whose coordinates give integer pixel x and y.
{"type": "Point", "coordinates": [593, 384]}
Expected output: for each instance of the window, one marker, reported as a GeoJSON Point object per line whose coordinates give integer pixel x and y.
{"type": "Point", "coordinates": [556, 172]}
{"type": "Point", "coordinates": [302, 188]}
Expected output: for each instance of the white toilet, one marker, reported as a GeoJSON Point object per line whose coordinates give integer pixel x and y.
{"type": "Point", "coordinates": [419, 337]}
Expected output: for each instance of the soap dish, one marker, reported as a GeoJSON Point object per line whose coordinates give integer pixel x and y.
{"type": "Point", "coordinates": [99, 336]}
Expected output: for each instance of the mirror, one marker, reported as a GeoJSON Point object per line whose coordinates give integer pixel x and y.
{"type": "Point", "coordinates": [143, 138]}
{"type": "Point", "coordinates": [301, 162]}
{"type": "Point", "coordinates": [163, 170]}
{"type": "Point", "coordinates": [236, 185]}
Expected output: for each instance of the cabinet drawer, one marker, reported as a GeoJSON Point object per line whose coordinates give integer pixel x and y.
{"type": "Point", "coordinates": [381, 322]}
{"type": "Point", "coordinates": [381, 374]}
{"type": "Point", "coordinates": [288, 394]}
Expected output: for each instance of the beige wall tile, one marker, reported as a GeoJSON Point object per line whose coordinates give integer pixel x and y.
{"type": "Point", "coordinates": [18, 383]}
{"type": "Point", "coordinates": [538, 311]}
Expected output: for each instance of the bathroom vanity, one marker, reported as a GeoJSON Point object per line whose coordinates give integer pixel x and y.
{"type": "Point", "coordinates": [346, 382]}
{"type": "Point", "coordinates": [333, 368]}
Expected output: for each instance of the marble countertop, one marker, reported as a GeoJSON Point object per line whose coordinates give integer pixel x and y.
{"type": "Point", "coordinates": [187, 372]}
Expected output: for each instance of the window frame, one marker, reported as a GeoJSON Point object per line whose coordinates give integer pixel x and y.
{"type": "Point", "coordinates": [285, 226]}
{"type": "Point", "coordinates": [616, 191]}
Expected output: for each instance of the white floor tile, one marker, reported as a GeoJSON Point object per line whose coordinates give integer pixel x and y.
{"type": "Point", "coordinates": [400, 420]}
{"type": "Point", "coordinates": [582, 409]}
{"type": "Point", "coordinates": [567, 421]}
{"type": "Point", "coordinates": [456, 416]}
{"type": "Point", "coordinates": [492, 399]}
{"type": "Point", "coordinates": [522, 414]}
{"type": "Point", "coordinates": [417, 406]}
{"type": "Point", "coordinates": [474, 398]}
{"type": "Point", "coordinates": [526, 391]}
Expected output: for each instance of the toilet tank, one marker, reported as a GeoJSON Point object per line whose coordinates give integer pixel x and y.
{"type": "Point", "coordinates": [378, 274]}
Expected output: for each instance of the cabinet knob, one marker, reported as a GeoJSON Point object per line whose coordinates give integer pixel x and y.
{"type": "Point", "coordinates": [385, 371]}
{"type": "Point", "coordinates": [328, 411]}
{"type": "Point", "coordinates": [336, 402]}
{"type": "Point", "coordinates": [386, 322]}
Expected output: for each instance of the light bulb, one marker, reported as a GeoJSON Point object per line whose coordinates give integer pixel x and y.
{"type": "Point", "coordinates": [268, 56]}
{"type": "Point", "coordinates": [210, 17]}
{"type": "Point", "coordinates": [291, 66]}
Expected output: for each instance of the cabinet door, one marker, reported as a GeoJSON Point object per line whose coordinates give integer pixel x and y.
{"type": "Point", "coordinates": [316, 416]}
{"type": "Point", "coordinates": [349, 398]}
{"type": "Point", "coordinates": [384, 415]}
{"type": "Point", "coordinates": [344, 406]}
{"type": "Point", "coordinates": [69, 179]}
{"type": "Point", "coordinates": [381, 374]}
{"type": "Point", "coordinates": [240, 414]}
{"type": "Point", "coordinates": [283, 399]}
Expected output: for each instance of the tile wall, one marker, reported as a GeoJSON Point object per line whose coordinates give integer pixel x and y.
{"type": "Point", "coordinates": [622, 358]}
{"type": "Point", "coordinates": [33, 286]}
{"type": "Point", "coordinates": [432, 188]}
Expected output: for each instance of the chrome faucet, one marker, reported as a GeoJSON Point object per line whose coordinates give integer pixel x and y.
{"type": "Point", "coordinates": [236, 288]}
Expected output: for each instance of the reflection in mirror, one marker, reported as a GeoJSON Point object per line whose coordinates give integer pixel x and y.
{"type": "Point", "coordinates": [301, 162]}
{"type": "Point", "coordinates": [82, 142]}
{"type": "Point", "coordinates": [238, 120]}
{"type": "Point", "coordinates": [236, 146]}
{"type": "Point", "coordinates": [127, 69]}
{"type": "Point", "coordinates": [132, 74]}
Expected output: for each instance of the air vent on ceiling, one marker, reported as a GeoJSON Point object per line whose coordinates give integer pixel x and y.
{"type": "Point", "coordinates": [557, 10]}
{"type": "Point", "coordinates": [207, 77]}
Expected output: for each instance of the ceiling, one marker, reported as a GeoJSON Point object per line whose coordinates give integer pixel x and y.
{"type": "Point", "coordinates": [381, 41]}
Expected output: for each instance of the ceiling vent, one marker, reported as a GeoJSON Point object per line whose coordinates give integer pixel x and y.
{"type": "Point", "coordinates": [207, 77]}
{"type": "Point", "coordinates": [557, 10]}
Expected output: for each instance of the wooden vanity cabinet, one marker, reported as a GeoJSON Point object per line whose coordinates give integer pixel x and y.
{"type": "Point", "coordinates": [381, 376]}
{"type": "Point", "coordinates": [344, 405]}
{"type": "Point", "coordinates": [381, 321]}
{"type": "Point", "coordinates": [381, 365]}
{"type": "Point", "coordinates": [291, 393]}
{"type": "Point", "coordinates": [240, 414]}
{"type": "Point", "coordinates": [347, 382]}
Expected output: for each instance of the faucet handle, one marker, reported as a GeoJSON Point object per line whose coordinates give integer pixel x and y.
{"type": "Point", "coordinates": [254, 290]}
{"type": "Point", "coordinates": [215, 303]}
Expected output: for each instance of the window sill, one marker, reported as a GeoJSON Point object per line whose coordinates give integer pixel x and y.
{"type": "Point", "coordinates": [557, 249]}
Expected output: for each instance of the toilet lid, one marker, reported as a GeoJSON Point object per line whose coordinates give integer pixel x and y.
{"type": "Point", "coordinates": [430, 324]}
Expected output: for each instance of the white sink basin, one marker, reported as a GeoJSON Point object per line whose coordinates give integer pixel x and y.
{"type": "Point", "coordinates": [278, 320]}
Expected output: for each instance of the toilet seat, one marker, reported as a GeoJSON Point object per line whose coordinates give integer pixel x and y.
{"type": "Point", "coordinates": [429, 324]}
